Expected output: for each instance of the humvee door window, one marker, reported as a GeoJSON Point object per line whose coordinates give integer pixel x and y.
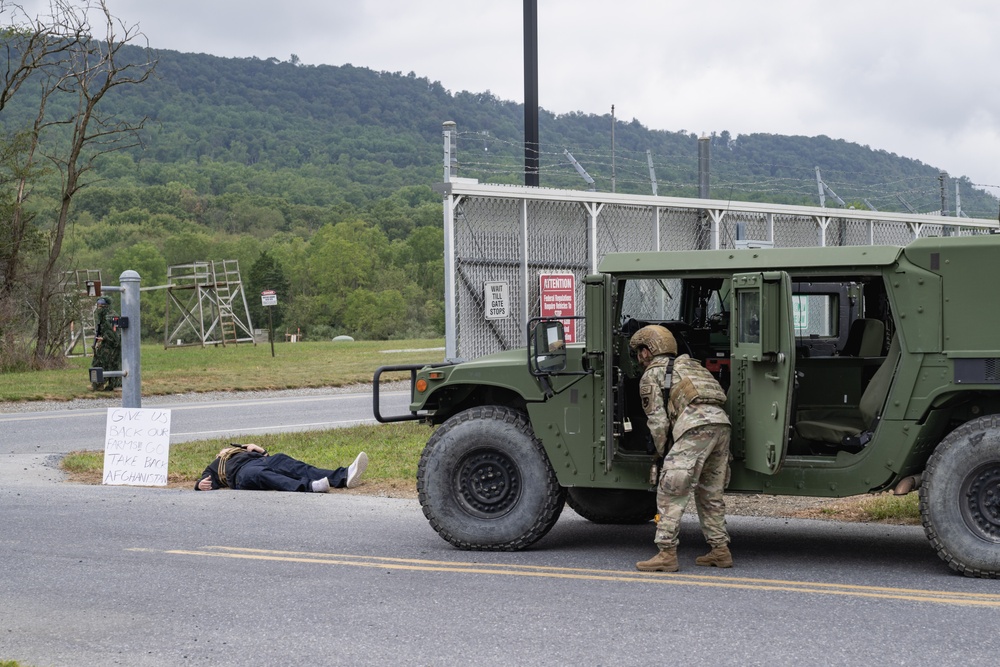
{"type": "Point", "coordinates": [816, 315]}
{"type": "Point", "coordinates": [748, 330]}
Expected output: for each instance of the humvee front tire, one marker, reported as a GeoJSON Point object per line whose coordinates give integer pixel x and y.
{"type": "Point", "coordinates": [485, 482]}
{"type": "Point", "coordinates": [960, 498]}
{"type": "Point", "coordinates": [613, 506]}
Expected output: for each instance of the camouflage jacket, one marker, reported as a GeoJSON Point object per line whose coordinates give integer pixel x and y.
{"type": "Point", "coordinates": [679, 398]}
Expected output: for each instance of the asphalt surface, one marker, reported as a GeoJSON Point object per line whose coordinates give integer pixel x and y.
{"type": "Point", "coordinates": [108, 575]}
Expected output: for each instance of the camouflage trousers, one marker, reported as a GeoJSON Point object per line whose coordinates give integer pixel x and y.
{"type": "Point", "coordinates": [699, 460]}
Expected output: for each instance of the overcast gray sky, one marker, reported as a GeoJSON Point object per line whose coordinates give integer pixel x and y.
{"type": "Point", "coordinates": [916, 78]}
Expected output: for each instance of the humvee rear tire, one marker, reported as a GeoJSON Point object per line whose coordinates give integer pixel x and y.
{"type": "Point", "coordinates": [485, 482]}
{"type": "Point", "coordinates": [613, 506]}
{"type": "Point", "coordinates": [960, 498]}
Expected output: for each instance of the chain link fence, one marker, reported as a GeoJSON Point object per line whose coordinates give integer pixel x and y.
{"type": "Point", "coordinates": [513, 235]}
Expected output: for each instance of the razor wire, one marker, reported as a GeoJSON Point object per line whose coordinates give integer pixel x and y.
{"type": "Point", "coordinates": [514, 234]}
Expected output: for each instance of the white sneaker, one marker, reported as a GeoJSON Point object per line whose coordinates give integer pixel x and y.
{"type": "Point", "coordinates": [356, 470]}
{"type": "Point", "coordinates": [321, 485]}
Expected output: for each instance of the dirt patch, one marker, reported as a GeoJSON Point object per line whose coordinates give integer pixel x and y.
{"type": "Point", "coordinates": [852, 509]}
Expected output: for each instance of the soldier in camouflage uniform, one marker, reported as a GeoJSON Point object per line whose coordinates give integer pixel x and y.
{"type": "Point", "coordinates": [107, 344]}
{"type": "Point", "coordinates": [695, 421]}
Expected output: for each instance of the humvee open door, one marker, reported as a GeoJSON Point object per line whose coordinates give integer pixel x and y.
{"type": "Point", "coordinates": [763, 368]}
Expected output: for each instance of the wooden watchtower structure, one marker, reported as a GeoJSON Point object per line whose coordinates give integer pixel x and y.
{"type": "Point", "coordinates": [79, 311]}
{"type": "Point", "coordinates": [208, 305]}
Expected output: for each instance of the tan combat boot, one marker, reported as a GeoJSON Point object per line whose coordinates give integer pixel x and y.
{"type": "Point", "coordinates": [665, 561]}
{"type": "Point", "coordinates": [718, 556]}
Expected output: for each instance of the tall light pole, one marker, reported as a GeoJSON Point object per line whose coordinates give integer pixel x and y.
{"type": "Point", "coordinates": [531, 92]}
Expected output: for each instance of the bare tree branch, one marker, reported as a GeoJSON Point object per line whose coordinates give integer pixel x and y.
{"type": "Point", "coordinates": [59, 53]}
{"type": "Point", "coordinates": [32, 43]}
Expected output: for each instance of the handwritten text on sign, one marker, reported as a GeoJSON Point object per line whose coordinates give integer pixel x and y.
{"type": "Point", "coordinates": [137, 446]}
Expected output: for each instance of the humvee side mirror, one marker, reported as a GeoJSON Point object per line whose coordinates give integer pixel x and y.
{"type": "Point", "coordinates": [547, 347]}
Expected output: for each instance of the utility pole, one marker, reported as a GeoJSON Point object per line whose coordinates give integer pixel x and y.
{"type": "Point", "coordinates": [612, 147]}
{"type": "Point", "coordinates": [449, 129]}
{"type": "Point", "coordinates": [947, 230]}
{"type": "Point", "coordinates": [652, 173]}
{"type": "Point", "coordinates": [704, 166]}
{"type": "Point", "coordinates": [531, 92]}
{"type": "Point", "coordinates": [943, 180]}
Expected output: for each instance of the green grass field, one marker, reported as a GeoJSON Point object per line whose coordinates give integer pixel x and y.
{"type": "Point", "coordinates": [242, 367]}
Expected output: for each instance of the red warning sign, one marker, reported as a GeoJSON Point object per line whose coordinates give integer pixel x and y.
{"type": "Point", "coordinates": [557, 293]}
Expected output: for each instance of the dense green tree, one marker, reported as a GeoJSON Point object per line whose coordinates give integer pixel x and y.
{"type": "Point", "coordinates": [267, 274]}
{"type": "Point", "coordinates": [376, 315]}
{"type": "Point", "coordinates": [144, 258]}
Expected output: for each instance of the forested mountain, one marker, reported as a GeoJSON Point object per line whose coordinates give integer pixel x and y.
{"type": "Point", "coordinates": [318, 178]}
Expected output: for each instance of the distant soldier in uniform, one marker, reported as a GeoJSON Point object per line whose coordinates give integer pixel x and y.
{"type": "Point", "coordinates": [107, 344]}
{"type": "Point", "coordinates": [694, 419]}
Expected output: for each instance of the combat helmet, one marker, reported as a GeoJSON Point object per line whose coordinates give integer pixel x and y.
{"type": "Point", "coordinates": [656, 338]}
{"type": "Point", "coordinates": [104, 301]}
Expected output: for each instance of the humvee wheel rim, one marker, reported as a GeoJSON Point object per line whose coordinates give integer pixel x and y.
{"type": "Point", "coordinates": [488, 484]}
{"type": "Point", "coordinates": [980, 496]}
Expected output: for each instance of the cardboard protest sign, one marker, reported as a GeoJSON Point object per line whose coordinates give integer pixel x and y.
{"type": "Point", "coordinates": [137, 446]}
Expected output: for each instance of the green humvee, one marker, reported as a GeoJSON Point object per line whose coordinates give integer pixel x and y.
{"type": "Point", "coordinates": [849, 370]}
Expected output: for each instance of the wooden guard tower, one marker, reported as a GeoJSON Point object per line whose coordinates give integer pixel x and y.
{"type": "Point", "coordinates": [79, 311]}
{"type": "Point", "coordinates": [209, 305]}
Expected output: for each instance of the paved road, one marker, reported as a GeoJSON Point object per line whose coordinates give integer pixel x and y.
{"type": "Point", "coordinates": [102, 575]}
{"type": "Point", "coordinates": [27, 430]}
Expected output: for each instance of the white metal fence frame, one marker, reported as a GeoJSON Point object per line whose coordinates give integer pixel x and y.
{"type": "Point", "coordinates": [511, 233]}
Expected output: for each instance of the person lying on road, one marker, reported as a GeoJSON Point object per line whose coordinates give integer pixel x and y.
{"type": "Point", "coordinates": [250, 467]}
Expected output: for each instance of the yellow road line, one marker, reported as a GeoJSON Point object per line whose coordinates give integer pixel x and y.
{"type": "Point", "coordinates": [672, 579]}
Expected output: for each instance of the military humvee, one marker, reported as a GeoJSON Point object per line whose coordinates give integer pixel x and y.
{"type": "Point", "coordinates": [849, 370]}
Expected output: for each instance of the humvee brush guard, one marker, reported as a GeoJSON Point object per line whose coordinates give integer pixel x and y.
{"type": "Point", "coordinates": [849, 370]}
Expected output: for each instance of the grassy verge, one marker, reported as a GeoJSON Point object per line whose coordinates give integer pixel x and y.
{"type": "Point", "coordinates": [881, 508]}
{"type": "Point", "coordinates": [393, 451]}
{"type": "Point", "coordinates": [893, 509]}
{"type": "Point", "coordinates": [242, 367]}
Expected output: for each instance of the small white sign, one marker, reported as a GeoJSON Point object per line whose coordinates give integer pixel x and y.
{"type": "Point", "coordinates": [268, 298]}
{"type": "Point", "coordinates": [496, 300]}
{"type": "Point", "coordinates": [800, 312]}
{"type": "Point", "coordinates": [137, 446]}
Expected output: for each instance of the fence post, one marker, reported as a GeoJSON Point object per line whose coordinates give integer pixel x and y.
{"type": "Point", "coordinates": [450, 131]}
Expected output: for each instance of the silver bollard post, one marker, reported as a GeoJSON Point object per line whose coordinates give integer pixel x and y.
{"type": "Point", "coordinates": [131, 337]}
